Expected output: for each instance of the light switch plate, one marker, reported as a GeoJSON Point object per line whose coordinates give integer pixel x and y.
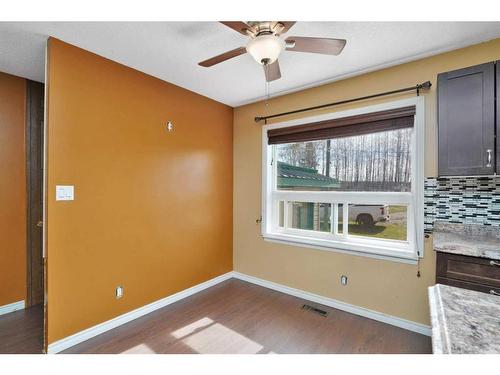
{"type": "Point", "coordinates": [119, 292]}
{"type": "Point", "coordinates": [65, 193]}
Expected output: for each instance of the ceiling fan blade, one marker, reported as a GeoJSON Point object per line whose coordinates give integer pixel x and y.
{"type": "Point", "coordinates": [272, 71]}
{"type": "Point", "coordinates": [223, 57]}
{"type": "Point", "coordinates": [286, 25]}
{"type": "Point", "coordinates": [238, 26]}
{"type": "Point", "coordinates": [325, 46]}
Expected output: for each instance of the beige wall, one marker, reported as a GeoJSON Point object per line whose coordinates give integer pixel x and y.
{"type": "Point", "coordinates": [152, 209]}
{"type": "Point", "coordinates": [380, 285]}
{"type": "Point", "coordinates": [12, 189]}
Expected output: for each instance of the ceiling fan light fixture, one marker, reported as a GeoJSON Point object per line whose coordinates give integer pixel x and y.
{"type": "Point", "coordinates": [266, 48]}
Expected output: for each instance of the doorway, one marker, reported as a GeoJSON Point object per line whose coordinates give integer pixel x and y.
{"type": "Point", "coordinates": [21, 199]}
{"type": "Point", "coordinates": [34, 172]}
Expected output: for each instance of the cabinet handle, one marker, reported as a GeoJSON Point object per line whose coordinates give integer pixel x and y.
{"type": "Point", "coordinates": [494, 293]}
{"type": "Point", "coordinates": [493, 263]}
{"type": "Point", "coordinates": [488, 163]}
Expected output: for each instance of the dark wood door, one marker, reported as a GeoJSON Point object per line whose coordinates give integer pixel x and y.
{"type": "Point", "coordinates": [466, 121]}
{"type": "Point", "coordinates": [34, 147]}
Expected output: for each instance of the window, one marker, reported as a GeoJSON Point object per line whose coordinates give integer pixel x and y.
{"type": "Point", "coordinates": [350, 181]}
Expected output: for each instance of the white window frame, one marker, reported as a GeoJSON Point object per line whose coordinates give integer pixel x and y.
{"type": "Point", "coordinates": [402, 251]}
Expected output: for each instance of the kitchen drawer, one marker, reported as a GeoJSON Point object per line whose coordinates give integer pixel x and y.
{"type": "Point", "coordinates": [467, 285]}
{"type": "Point", "coordinates": [468, 269]}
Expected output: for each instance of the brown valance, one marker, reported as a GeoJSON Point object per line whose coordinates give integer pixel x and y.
{"type": "Point", "coordinates": [392, 119]}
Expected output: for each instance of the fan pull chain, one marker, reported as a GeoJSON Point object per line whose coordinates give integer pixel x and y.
{"type": "Point", "coordinates": [418, 263]}
{"type": "Point", "coordinates": [266, 67]}
{"type": "Point", "coordinates": [267, 94]}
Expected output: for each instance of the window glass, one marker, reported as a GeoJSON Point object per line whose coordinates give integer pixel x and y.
{"type": "Point", "coordinates": [309, 216]}
{"type": "Point", "coordinates": [340, 213]}
{"type": "Point", "coordinates": [372, 162]}
{"type": "Point", "coordinates": [378, 221]}
{"type": "Point", "coordinates": [281, 214]}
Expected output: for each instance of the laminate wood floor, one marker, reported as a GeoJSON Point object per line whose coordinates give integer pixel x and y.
{"type": "Point", "coordinates": [21, 332]}
{"type": "Point", "coordinates": [239, 317]}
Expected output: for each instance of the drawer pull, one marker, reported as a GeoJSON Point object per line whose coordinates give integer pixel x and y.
{"type": "Point", "coordinates": [493, 263]}
{"type": "Point", "coordinates": [494, 293]}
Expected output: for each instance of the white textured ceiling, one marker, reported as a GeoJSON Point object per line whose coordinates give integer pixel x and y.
{"type": "Point", "coordinates": [171, 51]}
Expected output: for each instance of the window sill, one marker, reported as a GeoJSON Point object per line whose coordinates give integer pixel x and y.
{"type": "Point", "coordinates": [389, 254]}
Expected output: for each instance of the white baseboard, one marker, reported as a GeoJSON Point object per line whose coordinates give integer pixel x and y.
{"type": "Point", "coordinates": [11, 307]}
{"type": "Point", "coordinates": [84, 335]}
{"type": "Point", "coordinates": [367, 313]}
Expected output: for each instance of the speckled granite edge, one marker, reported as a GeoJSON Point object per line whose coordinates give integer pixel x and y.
{"type": "Point", "coordinates": [468, 230]}
{"type": "Point", "coordinates": [464, 321]}
{"type": "Point", "coordinates": [467, 239]}
{"type": "Point", "coordinates": [439, 345]}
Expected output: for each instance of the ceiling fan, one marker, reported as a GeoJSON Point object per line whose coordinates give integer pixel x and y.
{"type": "Point", "coordinates": [266, 43]}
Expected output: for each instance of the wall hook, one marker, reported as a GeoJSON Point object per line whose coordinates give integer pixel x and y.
{"type": "Point", "coordinates": [170, 126]}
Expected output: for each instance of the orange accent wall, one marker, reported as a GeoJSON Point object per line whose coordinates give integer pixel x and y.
{"type": "Point", "coordinates": [12, 189]}
{"type": "Point", "coordinates": [152, 209]}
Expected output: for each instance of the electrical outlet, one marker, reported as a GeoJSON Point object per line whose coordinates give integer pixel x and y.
{"type": "Point", "coordinates": [343, 280]}
{"type": "Point", "coordinates": [119, 292]}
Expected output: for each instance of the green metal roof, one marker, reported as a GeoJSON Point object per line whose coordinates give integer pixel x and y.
{"type": "Point", "coordinates": [291, 176]}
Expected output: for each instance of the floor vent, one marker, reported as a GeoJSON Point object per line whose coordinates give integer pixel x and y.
{"type": "Point", "coordinates": [314, 310]}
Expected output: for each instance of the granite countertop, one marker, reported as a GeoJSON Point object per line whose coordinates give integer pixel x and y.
{"type": "Point", "coordinates": [467, 239]}
{"type": "Point", "coordinates": [464, 321]}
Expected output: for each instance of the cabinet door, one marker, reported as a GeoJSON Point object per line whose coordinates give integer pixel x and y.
{"type": "Point", "coordinates": [498, 117]}
{"type": "Point", "coordinates": [466, 121]}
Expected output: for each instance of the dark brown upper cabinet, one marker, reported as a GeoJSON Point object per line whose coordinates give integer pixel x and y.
{"type": "Point", "coordinates": [466, 121]}
{"type": "Point", "coordinates": [497, 134]}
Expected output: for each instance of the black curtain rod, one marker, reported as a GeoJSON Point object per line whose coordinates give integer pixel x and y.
{"type": "Point", "coordinates": [420, 86]}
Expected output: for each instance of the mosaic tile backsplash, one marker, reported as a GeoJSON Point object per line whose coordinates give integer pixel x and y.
{"type": "Point", "coordinates": [464, 200]}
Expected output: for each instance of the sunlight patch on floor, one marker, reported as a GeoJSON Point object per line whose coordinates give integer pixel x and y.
{"type": "Point", "coordinates": [139, 349]}
{"type": "Point", "coordinates": [219, 339]}
{"type": "Point", "coordinates": [207, 337]}
{"type": "Point", "coordinates": [191, 328]}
